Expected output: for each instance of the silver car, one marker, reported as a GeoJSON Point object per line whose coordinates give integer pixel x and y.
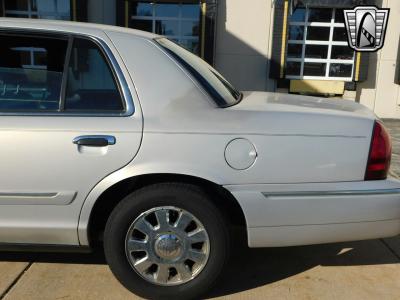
{"type": "Point", "coordinates": [123, 139]}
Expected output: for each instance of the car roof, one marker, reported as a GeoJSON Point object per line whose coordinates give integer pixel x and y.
{"type": "Point", "coordinates": [70, 26]}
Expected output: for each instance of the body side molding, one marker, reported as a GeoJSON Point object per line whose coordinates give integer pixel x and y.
{"type": "Point", "coordinates": [34, 198]}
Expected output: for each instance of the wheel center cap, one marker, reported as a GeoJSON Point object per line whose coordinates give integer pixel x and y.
{"type": "Point", "coordinates": [168, 246]}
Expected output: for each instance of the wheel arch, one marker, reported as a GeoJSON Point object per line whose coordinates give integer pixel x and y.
{"type": "Point", "coordinates": [91, 227]}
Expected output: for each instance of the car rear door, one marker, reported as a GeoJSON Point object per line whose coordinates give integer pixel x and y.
{"type": "Point", "coordinates": [67, 120]}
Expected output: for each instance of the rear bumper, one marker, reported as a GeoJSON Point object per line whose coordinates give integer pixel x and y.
{"type": "Point", "coordinates": [282, 236]}
{"type": "Point", "coordinates": [300, 214]}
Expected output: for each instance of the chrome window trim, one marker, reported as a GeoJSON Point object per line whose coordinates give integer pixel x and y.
{"type": "Point", "coordinates": [332, 193]}
{"type": "Point", "coordinates": [129, 108]}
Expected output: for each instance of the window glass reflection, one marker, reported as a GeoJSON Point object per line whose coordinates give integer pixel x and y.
{"type": "Point", "coordinates": [142, 9]}
{"type": "Point", "coordinates": [90, 82]}
{"type": "Point", "coordinates": [31, 70]}
{"type": "Point", "coordinates": [296, 32]}
{"type": "Point", "coordinates": [340, 70]}
{"type": "Point", "coordinates": [342, 52]}
{"type": "Point", "coordinates": [177, 21]}
{"type": "Point", "coordinates": [294, 50]}
{"type": "Point", "coordinates": [318, 33]}
{"type": "Point", "coordinates": [316, 39]}
{"type": "Point", "coordinates": [316, 51]}
{"type": "Point", "coordinates": [21, 5]}
{"type": "Point", "coordinates": [293, 68]}
{"type": "Point", "coordinates": [38, 9]}
{"type": "Point", "coordinates": [299, 15]}
{"type": "Point", "coordinates": [191, 11]}
{"type": "Point", "coordinates": [167, 10]}
{"type": "Point", "coordinates": [52, 9]}
{"type": "Point", "coordinates": [145, 25]}
{"type": "Point", "coordinates": [190, 28]}
{"type": "Point", "coordinates": [319, 15]}
{"type": "Point", "coordinates": [314, 69]}
{"type": "Point", "coordinates": [339, 34]}
{"type": "Point", "coordinates": [166, 27]}
{"type": "Point", "coordinates": [339, 17]}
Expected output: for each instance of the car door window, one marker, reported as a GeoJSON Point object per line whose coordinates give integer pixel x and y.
{"type": "Point", "coordinates": [31, 71]}
{"type": "Point", "coordinates": [91, 85]}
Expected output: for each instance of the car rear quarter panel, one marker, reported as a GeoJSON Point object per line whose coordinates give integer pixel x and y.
{"type": "Point", "coordinates": [185, 133]}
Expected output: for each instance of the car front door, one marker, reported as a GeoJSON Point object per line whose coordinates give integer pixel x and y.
{"type": "Point", "coordinates": [67, 120]}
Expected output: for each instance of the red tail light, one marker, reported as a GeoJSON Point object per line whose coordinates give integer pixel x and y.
{"type": "Point", "coordinates": [379, 153]}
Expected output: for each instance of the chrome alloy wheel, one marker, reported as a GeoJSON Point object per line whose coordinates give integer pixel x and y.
{"type": "Point", "coordinates": [167, 246]}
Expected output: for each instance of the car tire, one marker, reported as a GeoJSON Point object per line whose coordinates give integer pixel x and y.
{"type": "Point", "coordinates": [146, 205]}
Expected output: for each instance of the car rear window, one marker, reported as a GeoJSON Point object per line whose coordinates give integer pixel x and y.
{"type": "Point", "coordinates": [223, 93]}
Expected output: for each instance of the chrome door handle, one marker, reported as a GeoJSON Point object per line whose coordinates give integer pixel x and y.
{"type": "Point", "coordinates": [94, 140]}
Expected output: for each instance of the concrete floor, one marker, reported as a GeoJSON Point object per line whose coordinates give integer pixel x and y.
{"type": "Point", "coordinates": [357, 270]}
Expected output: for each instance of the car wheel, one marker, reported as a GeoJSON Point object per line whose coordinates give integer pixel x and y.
{"type": "Point", "coordinates": [166, 240]}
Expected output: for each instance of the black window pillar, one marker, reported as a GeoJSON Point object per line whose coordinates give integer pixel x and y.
{"type": "Point", "coordinates": [79, 10]}
{"type": "Point", "coordinates": [2, 14]}
{"type": "Point", "coordinates": [207, 38]}
{"type": "Point", "coordinates": [279, 39]}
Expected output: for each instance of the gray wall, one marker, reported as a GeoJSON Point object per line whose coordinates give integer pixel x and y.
{"type": "Point", "coordinates": [243, 43]}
